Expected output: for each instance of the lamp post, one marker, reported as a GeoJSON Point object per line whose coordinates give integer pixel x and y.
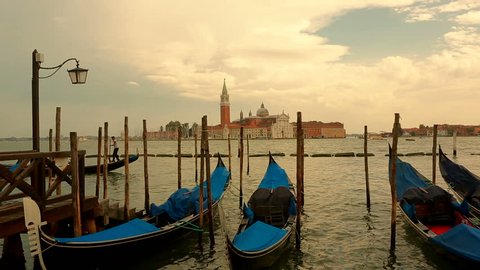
{"type": "Point", "coordinates": [77, 76]}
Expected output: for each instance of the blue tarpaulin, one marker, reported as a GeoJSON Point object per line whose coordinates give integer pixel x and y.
{"type": "Point", "coordinates": [275, 176]}
{"type": "Point", "coordinates": [184, 202]}
{"type": "Point", "coordinates": [258, 236]}
{"type": "Point", "coordinates": [178, 205]}
{"type": "Point", "coordinates": [462, 240]}
{"type": "Point", "coordinates": [408, 177]}
{"type": "Point", "coordinates": [132, 228]}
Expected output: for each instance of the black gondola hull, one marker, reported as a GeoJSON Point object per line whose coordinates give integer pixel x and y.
{"type": "Point", "coordinates": [108, 255]}
{"type": "Point", "coordinates": [92, 169]}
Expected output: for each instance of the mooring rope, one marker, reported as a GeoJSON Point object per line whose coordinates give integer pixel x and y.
{"type": "Point", "coordinates": [188, 225]}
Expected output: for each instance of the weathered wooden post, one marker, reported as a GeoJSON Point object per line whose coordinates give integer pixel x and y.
{"type": "Point", "coordinates": [299, 178]}
{"type": "Point", "coordinates": [393, 181]}
{"type": "Point", "coordinates": [209, 184]}
{"type": "Point", "coordinates": [77, 219]}
{"type": "Point", "coordinates": [145, 167]}
{"type": "Point", "coordinates": [126, 210]}
{"type": "Point", "coordinates": [240, 202]}
{"type": "Point", "coordinates": [105, 161]}
{"type": "Point", "coordinates": [202, 175]}
{"type": "Point", "coordinates": [179, 151]}
{"type": "Point", "coordinates": [196, 159]}
{"type": "Point", "coordinates": [434, 154]}
{"type": "Point", "coordinates": [57, 139]}
{"type": "Point", "coordinates": [248, 157]}
{"type": "Point", "coordinates": [365, 152]}
{"type": "Point", "coordinates": [50, 149]}
{"type": "Point", "coordinates": [454, 143]}
{"type": "Point", "coordinates": [50, 140]}
{"type": "Point", "coordinates": [229, 156]}
{"type": "Point", "coordinates": [57, 129]}
{"type": "Point", "coordinates": [99, 161]}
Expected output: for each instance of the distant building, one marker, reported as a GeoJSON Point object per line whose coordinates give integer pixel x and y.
{"type": "Point", "coordinates": [444, 130]}
{"type": "Point", "coordinates": [317, 129]}
{"type": "Point", "coordinates": [266, 126]}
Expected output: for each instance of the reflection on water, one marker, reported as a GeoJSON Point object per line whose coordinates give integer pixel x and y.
{"type": "Point", "coordinates": [338, 232]}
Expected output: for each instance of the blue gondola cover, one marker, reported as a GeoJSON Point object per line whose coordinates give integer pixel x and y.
{"type": "Point", "coordinates": [258, 236]}
{"type": "Point", "coordinates": [184, 202]}
{"type": "Point", "coordinates": [462, 240]}
{"type": "Point", "coordinates": [132, 228]}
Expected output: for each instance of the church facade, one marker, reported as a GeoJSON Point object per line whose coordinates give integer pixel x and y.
{"type": "Point", "coordinates": [262, 125]}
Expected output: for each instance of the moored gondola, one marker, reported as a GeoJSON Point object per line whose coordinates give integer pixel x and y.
{"type": "Point", "coordinates": [267, 224]}
{"type": "Point", "coordinates": [464, 183]}
{"type": "Point", "coordinates": [175, 218]}
{"type": "Point", "coordinates": [435, 215]}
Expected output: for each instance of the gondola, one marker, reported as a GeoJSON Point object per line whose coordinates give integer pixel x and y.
{"type": "Point", "coordinates": [267, 223]}
{"type": "Point", "coordinates": [435, 215]}
{"type": "Point", "coordinates": [465, 184]}
{"type": "Point", "coordinates": [92, 169]}
{"type": "Point", "coordinates": [176, 217]}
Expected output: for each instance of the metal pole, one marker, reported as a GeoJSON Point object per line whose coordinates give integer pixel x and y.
{"type": "Point", "coordinates": [35, 102]}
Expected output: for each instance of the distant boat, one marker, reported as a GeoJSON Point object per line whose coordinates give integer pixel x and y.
{"type": "Point", "coordinates": [435, 215]}
{"type": "Point", "coordinates": [267, 223]}
{"type": "Point", "coordinates": [175, 218]}
{"type": "Point", "coordinates": [92, 169]}
{"type": "Point", "coordinates": [410, 139]}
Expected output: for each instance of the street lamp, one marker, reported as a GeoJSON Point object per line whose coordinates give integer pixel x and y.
{"type": "Point", "coordinates": [77, 76]}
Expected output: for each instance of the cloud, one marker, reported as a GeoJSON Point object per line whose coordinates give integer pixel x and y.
{"type": "Point", "coordinates": [469, 18]}
{"type": "Point", "coordinates": [132, 83]}
{"type": "Point", "coordinates": [269, 52]}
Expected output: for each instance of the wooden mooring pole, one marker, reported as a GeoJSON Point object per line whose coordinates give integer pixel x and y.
{"type": "Point", "coordinates": [240, 151]}
{"type": "Point", "coordinates": [126, 210]}
{"type": "Point", "coordinates": [454, 143]}
{"type": "Point", "coordinates": [209, 184]}
{"type": "Point", "coordinates": [229, 156]}
{"type": "Point", "coordinates": [393, 181]}
{"type": "Point", "coordinates": [99, 161]}
{"type": "Point", "coordinates": [196, 159]}
{"type": "Point", "coordinates": [434, 154]}
{"type": "Point", "coordinates": [57, 139]}
{"type": "Point", "coordinates": [105, 161]}
{"type": "Point", "coordinates": [77, 218]}
{"type": "Point", "coordinates": [145, 168]}
{"type": "Point", "coordinates": [299, 179]}
{"type": "Point", "coordinates": [365, 151]}
{"type": "Point", "coordinates": [179, 151]}
{"type": "Point", "coordinates": [248, 157]}
{"type": "Point", "coordinates": [202, 175]}
{"type": "Point", "coordinates": [50, 149]}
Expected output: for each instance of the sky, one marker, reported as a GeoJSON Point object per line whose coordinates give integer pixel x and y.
{"type": "Point", "coordinates": [353, 61]}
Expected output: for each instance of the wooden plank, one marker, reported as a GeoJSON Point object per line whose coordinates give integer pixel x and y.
{"type": "Point", "coordinates": [12, 220]}
{"type": "Point", "coordinates": [35, 155]}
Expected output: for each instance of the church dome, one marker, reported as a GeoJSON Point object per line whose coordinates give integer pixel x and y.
{"type": "Point", "coordinates": [262, 111]}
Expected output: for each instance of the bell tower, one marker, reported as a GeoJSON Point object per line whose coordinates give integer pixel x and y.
{"type": "Point", "coordinates": [224, 106]}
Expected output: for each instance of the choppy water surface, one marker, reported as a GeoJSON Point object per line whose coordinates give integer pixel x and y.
{"type": "Point", "coordinates": [337, 230]}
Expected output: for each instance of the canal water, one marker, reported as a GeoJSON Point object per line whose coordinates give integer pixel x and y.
{"type": "Point", "coordinates": [338, 232]}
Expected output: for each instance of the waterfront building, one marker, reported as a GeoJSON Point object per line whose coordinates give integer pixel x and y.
{"type": "Point", "coordinates": [262, 125]}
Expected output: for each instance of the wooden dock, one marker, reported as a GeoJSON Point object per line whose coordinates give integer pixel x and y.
{"type": "Point", "coordinates": [38, 175]}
